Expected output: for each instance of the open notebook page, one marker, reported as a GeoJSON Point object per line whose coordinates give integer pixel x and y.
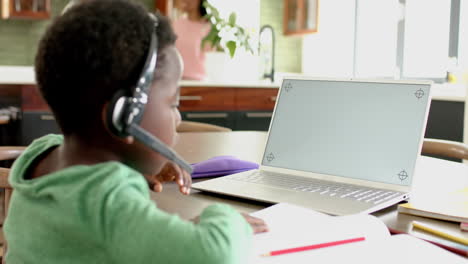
{"type": "Point", "coordinates": [294, 226]}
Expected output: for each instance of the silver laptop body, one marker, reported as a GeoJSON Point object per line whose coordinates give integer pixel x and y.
{"type": "Point", "coordinates": [337, 146]}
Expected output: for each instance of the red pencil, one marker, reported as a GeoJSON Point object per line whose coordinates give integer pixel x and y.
{"type": "Point", "coordinates": [316, 246]}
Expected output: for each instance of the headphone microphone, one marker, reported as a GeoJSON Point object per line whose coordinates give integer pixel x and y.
{"type": "Point", "coordinates": [125, 113]}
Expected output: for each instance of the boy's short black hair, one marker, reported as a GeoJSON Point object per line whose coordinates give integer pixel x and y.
{"type": "Point", "coordinates": [89, 53]}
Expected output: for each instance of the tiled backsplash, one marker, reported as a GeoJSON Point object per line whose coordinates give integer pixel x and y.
{"type": "Point", "coordinates": [288, 48]}
{"type": "Point", "coordinates": [19, 38]}
{"type": "Point", "coordinates": [15, 42]}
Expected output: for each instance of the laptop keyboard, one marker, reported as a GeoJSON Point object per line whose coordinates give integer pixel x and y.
{"type": "Point", "coordinates": [302, 184]}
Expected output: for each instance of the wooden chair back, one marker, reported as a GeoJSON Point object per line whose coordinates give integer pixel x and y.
{"type": "Point", "coordinates": [445, 148]}
{"type": "Point", "coordinates": [6, 153]}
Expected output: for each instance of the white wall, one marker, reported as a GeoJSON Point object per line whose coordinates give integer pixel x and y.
{"type": "Point", "coordinates": [376, 38]}
{"type": "Point", "coordinates": [367, 47]}
{"type": "Point", "coordinates": [329, 52]}
{"type": "Point", "coordinates": [463, 58]}
{"type": "Point", "coordinates": [426, 38]}
{"type": "Point", "coordinates": [248, 11]}
{"type": "Point", "coordinates": [463, 36]}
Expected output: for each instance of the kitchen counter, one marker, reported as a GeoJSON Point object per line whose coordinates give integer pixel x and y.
{"type": "Point", "coordinates": [242, 84]}
{"type": "Point", "coordinates": [19, 75]}
{"type": "Point", "coordinates": [25, 75]}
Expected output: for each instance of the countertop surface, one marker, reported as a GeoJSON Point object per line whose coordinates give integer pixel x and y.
{"type": "Point", "coordinates": [25, 75]}
{"type": "Point", "coordinates": [18, 75]}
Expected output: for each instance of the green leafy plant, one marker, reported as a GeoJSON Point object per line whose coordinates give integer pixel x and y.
{"type": "Point", "coordinates": [225, 35]}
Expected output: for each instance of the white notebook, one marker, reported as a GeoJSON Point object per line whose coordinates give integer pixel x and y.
{"type": "Point", "coordinates": [294, 226]}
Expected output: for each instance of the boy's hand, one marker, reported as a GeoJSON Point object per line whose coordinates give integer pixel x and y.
{"type": "Point", "coordinates": [171, 172]}
{"type": "Point", "coordinates": [257, 224]}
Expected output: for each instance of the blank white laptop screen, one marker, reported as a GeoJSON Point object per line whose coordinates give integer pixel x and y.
{"type": "Point", "coordinates": [362, 130]}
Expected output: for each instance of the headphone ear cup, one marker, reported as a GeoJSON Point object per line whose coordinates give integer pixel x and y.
{"type": "Point", "coordinates": [114, 114]}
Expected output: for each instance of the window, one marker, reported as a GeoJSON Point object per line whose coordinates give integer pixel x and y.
{"type": "Point", "coordinates": [388, 39]}
{"type": "Point", "coordinates": [329, 52]}
{"type": "Point", "coordinates": [426, 39]}
{"type": "Point", "coordinates": [376, 38]}
{"type": "Point", "coordinates": [463, 36]}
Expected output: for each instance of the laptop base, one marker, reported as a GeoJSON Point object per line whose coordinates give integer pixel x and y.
{"type": "Point", "coordinates": [270, 194]}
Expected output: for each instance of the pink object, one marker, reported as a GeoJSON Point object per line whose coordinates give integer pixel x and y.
{"type": "Point", "coordinates": [464, 226]}
{"type": "Point", "coordinates": [189, 37]}
{"type": "Point", "coordinates": [316, 246]}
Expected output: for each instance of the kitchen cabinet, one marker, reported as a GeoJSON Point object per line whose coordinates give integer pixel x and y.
{"type": "Point", "coordinates": [219, 118]}
{"type": "Point", "coordinates": [10, 95]}
{"type": "Point", "coordinates": [207, 99]}
{"type": "Point", "coordinates": [300, 17]}
{"type": "Point", "coordinates": [35, 124]}
{"type": "Point", "coordinates": [208, 105]}
{"type": "Point", "coordinates": [253, 120]}
{"type": "Point", "coordinates": [37, 119]}
{"type": "Point", "coordinates": [164, 6]}
{"type": "Point", "coordinates": [238, 108]}
{"type": "Point", "coordinates": [31, 99]}
{"type": "Point", "coordinates": [26, 9]}
{"type": "Point", "coordinates": [255, 108]}
{"type": "Point", "coordinates": [10, 101]}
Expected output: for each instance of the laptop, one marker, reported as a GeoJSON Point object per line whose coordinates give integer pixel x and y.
{"type": "Point", "coordinates": [337, 146]}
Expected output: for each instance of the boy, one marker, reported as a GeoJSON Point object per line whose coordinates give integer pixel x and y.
{"type": "Point", "coordinates": [82, 198]}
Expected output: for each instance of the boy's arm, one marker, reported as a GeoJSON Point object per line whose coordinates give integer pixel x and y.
{"type": "Point", "coordinates": [135, 231]}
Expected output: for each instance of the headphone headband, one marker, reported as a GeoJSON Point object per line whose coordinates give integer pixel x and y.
{"type": "Point", "coordinates": [126, 112]}
{"type": "Point", "coordinates": [139, 98]}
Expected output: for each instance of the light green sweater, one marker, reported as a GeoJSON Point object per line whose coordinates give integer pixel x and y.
{"type": "Point", "coordinates": [103, 214]}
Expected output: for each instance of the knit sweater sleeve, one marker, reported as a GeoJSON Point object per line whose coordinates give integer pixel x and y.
{"type": "Point", "coordinates": [134, 230]}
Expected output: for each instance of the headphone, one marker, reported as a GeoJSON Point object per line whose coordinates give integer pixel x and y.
{"type": "Point", "coordinates": [125, 112]}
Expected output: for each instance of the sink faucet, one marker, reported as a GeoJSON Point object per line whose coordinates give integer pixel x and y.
{"type": "Point", "coordinates": [267, 52]}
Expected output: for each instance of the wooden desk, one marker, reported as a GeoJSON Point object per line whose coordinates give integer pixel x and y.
{"type": "Point", "coordinates": [431, 175]}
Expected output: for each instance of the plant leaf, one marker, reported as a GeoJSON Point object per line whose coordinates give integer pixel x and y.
{"type": "Point", "coordinates": [212, 37]}
{"type": "Point", "coordinates": [232, 19]}
{"type": "Point", "coordinates": [225, 34]}
{"type": "Point", "coordinates": [231, 45]}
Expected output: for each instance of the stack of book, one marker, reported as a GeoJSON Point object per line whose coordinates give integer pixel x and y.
{"type": "Point", "coordinates": [452, 206]}
{"type": "Point", "coordinates": [449, 206]}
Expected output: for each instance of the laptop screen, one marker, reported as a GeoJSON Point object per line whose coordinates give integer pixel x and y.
{"type": "Point", "coordinates": [355, 129]}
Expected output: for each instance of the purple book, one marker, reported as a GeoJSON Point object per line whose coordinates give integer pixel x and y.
{"type": "Point", "coordinates": [220, 166]}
